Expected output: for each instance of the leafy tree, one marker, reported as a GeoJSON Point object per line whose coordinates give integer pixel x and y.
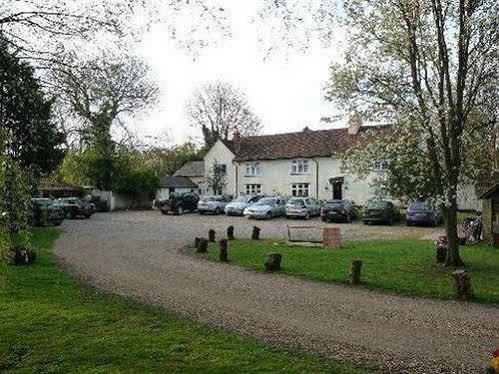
{"type": "Point", "coordinates": [32, 138]}
{"type": "Point", "coordinates": [216, 178]}
{"type": "Point", "coordinates": [167, 161]}
{"type": "Point", "coordinates": [430, 68]}
{"type": "Point", "coordinates": [136, 175]}
{"type": "Point", "coordinates": [102, 92]}
{"type": "Point", "coordinates": [221, 111]}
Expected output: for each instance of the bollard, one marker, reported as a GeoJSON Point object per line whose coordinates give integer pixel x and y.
{"type": "Point", "coordinates": [462, 284]}
{"type": "Point", "coordinates": [256, 233]}
{"type": "Point", "coordinates": [441, 249]}
{"type": "Point", "coordinates": [196, 242]}
{"type": "Point", "coordinates": [223, 250]}
{"type": "Point", "coordinates": [230, 233]}
{"type": "Point", "coordinates": [203, 246]}
{"type": "Point", "coordinates": [355, 268]}
{"type": "Point", "coordinates": [211, 235]}
{"type": "Point", "coordinates": [273, 262]}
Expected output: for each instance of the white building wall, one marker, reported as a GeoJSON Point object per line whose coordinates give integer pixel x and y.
{"type": "Point", "coordinates": [276, 178]}
{"type": "Point", "coordinates": [220, 153]}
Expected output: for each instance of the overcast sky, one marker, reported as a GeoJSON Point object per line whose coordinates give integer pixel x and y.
{"type": "Point", "coordinates": [285, 91]}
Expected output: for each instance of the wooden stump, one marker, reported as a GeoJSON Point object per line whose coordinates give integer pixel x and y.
{"type": "Point", "coordinates": [462, 284]}
{"type": "Point", "coordinates": [441, 249]}
{"type": "Point", "coordinates": [21, 256]}
{"type": "Point", "coordinates": [256, 233]}
{"type": "Point", "coordinates": [223, 251]}
{"type": "Point", "coordinates": [230, 233]}
{"type": "Point", "coordinates": [273, 262]}
{"type": "Point", "coordinates": [203, 246]}
{"type": "Point", "coordinates": [211, 235]}
{"type": "Point", "coordinates": [355, 268]}
{"type": "Point", "coordinates": [196, 242]}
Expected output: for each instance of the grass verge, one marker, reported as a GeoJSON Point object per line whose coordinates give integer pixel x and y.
{"type": "Point", "coordinates": [51, 323]}
{"type": "Point", "coordinates": [403, 266]}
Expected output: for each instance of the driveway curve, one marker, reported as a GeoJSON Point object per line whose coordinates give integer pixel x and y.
{"type": "Point", "coordinates": [136, 254]}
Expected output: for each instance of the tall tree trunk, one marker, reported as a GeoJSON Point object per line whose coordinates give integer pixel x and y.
{"type": "Point", "coordinates": [452, 257]}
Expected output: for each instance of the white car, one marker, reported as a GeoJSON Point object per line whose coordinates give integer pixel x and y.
{"type": "Point", "coordinates": [213, 204]}
{"type": "Point", "coordinates": [236, 207]}
{"type": "Point", "coordinates": [268, 208]}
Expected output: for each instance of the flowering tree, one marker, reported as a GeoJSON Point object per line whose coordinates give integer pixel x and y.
{"type": "Point", "coordinates": [429, 68]}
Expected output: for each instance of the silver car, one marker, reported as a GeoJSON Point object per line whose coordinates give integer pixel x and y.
{"type": "Point", "coordinates": [213, 204]}
{"type": "Point", "coordinates": [304, 207]}
{"type": "Point", "coordinates": [268, 208]}
{"type": "Point", "coordinates": [236, 207]}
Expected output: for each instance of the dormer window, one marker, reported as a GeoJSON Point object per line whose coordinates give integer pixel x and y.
{"type": "Point", "coordinates": [299, 166]}
{"type": "Point", "coordinates": [252, 169]}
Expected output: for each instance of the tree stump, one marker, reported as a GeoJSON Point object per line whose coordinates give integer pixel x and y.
{"type": "Point", "coordinates": [21, 256]}
{"type": "Point", "coordinates": [441, 246]}
{"type": "Point", "coordinates": [355, 268]}
{"type": "Point", "coordinates": [211, 235]}
{"type": "Point", "coordinates": [203, 246]}
{"type": "Point", "coordinates": [196, 242]}
{"type": "Point", "coordinates": [256, 233]}
{"type": "Point", "coordinates": [223, 251]}
{"type": "Point", "coordinates": [273, 262]}
{"type": "Point", "coordinates": [230, 233]}
{"type": "Point", "coordinates": [462, 284]}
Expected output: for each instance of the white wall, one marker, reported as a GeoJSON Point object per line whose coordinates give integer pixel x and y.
{"type": "Point", "coordinates": [220, 153]}
{"type": "Point", "coordinates": [276, 179]}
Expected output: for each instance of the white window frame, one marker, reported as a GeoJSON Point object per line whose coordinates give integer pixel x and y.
{"type": "Point", "coordinates": [253, 169]}
{"type": "Point", "coordinates": [300, 166]}
{"type": "Point", "coordinates": [300, 189]}
{"type": "Point", "coordinates": [253, 188]}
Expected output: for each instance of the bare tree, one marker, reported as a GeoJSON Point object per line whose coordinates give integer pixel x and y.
{"type": "Point", "coordinates": [221, 111]}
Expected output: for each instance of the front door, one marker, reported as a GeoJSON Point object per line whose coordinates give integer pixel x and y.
{"type": "Point", "coordinates": [337, 190]}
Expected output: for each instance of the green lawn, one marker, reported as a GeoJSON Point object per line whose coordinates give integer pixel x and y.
{"type": "Point", "coordinates": [51, 323]}
{"type": "Point", "coordinates": [403, 266]}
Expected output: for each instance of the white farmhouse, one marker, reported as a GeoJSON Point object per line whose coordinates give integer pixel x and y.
{"type": "Point", "coordinates": [292, 164]}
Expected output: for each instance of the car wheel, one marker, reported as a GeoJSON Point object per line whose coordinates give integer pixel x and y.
{"type": "Point", "coordinates": [58, 223]}
{"type": "Point", "coordinates": [218, 211]}
{"type": "Point", "coordinates": [69, 215]}
{"type": "Point", "coordinates": [307, 216]}
{"type": "Point", "coordinates": [365, 222]}
{"type": "Point", "coordinates": [348, 219]}
{"type": "Point", "coordinates": [268, 215]}
{"type": "Point", "coordinates": [165, 212]}
{"type": "Point", "coordinates": [201, 212]}
{"type": "Point", "coordinates": [323, 219]}
{"type": "Point", "coordinates": [180, 210]}
{"type": "Point", "coordinates": [390, 221]}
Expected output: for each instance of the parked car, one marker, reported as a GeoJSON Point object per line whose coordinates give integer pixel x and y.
{"type": "Point", "coordinates": [267, 208]}
{"type": "Point", "coordinates": [304, 207]}
{"type": "Point", "coordinates": [381, 211]}
{"type": "Point", "coordinates": [213, 204]}
{"type": "Point", "coordinates": [420, 213]}
{"type": "Point", "coordinates": [338, 211]}
{"type": "Point", "coordinates": [178, 203]}
{"type": "Point", "coordinates": [75, 207]}
{"type": "Point", "coordinates": [236, 207]}
{"type": "Point", "coordinates": [45, 211]}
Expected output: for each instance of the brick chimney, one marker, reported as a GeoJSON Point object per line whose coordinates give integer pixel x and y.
{"type": "Point", "coordinates": [354, 124]}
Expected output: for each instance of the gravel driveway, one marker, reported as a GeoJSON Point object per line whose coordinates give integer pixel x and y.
{"type": "Point", "coordinates": [137, 254]}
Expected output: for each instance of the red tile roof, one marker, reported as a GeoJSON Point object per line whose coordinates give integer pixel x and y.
{"type": "Point", "coordinates": [304, 144]}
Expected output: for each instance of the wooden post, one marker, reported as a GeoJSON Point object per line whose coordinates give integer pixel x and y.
{"type": "Point", "coordinates": [355, 268]}
{"type": "Point", "coordinates": [230, 233]}
{"type": "Point", "coordinates": [273, 262]}
{"type": "Point", "coordinates": [223, 250]}
{"type": "Point", "coordinates": [256, 233]}
{"type": "Point", "coordinates": [196, 242]}
{"type": "Point", "coordinates": [211, 235]}
{"type": "Point", "coordinates": [462, 283]}
{"type": "Point", "coordinates": [203, 246]}
{"type": "Point", "coordinates": [441, 249]}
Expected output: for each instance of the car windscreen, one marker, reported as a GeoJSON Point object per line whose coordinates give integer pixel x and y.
{"type": "Point", "coordinates": [334, 205]}
{"type": "Point", "coordinates": [208, 198]}
{"type": "Point", "coordinates": [241, 199]}
{"type": "Point", "coordinates": [418, 206]}
{"type": "Point", "coordinates": [43, 202]}
{"type": "Point", "coordinates": [378, 205]}
{"type": "Point", "coordinates": [296, 202]}
{"type": "Point", "coordinates": [266, 202]}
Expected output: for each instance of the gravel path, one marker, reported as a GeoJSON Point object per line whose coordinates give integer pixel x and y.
{"type": "Point", "coordinates": [137, 254]}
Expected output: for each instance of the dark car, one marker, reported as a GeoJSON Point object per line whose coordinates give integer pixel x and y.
{"type": "Point", "coordinates": [46, 212]}
{"type": "Point", "coordinates": [75, 207]}
{"type": "Point", "coordinates": [420, 213]}
{"type": "Point", "coordinates": [178, 203]}
{"type": "Point", "coordinates": [381, 211]}
{"type": "Point", "coordinates": [338, 211]}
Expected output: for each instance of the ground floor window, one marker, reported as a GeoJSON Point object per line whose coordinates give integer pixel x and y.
{"type": "Point", "coordinates": [252, 189]}
{"type": "Point", "coordinates": [299, 189]}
